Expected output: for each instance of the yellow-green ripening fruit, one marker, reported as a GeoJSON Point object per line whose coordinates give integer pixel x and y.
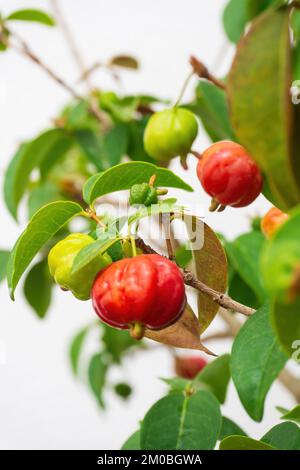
{"type": "Point", "coordinates": [61, 258]}
{"type": "Point", "coordinates": [170, 134]}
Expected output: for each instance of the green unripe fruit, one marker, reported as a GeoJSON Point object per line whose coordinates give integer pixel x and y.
{"type": "Point", "coordinates": [143, 194]}
{"type": "Point", "coordinates": [61, 258]}
{"type": "Point", "coordinates": [170, 133]}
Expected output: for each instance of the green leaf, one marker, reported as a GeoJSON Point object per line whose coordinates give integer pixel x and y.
{"type": "Point", "coordinates": [256, 7]}
{"type": "Point", "coordinates": [182, 423]}
{"type": "Point", "coordinates": [243, 443]}
{"type": "Point", "coordinates": [183, 255]}
{"type": "Point", "coordinates": [91, 146]}
{"type": "Point", "coordinates": [115, 144]}
{"type": "Point", "coordinates": [241, 292]}
{"type": "Point", "coordinates": [4, 255]}
{"type": "Point", "coordinates": [125, 61]}
{"type": "Point", "coordinates": [165, 206]}
{"type": "Point", "coordinates": [89, 252]}
{"type": "Point", "coordinates": [60, 146]}
{"type": "Point", "coordinates": [177, 384]}
{"type": "Point", "coordinates": [243, 254]}
{"type": "Point", "coordinates": [42, 195]}
{"type": "Point", "coordinates": [117, 342]}
{"type": "Point", "coordinates": [28, 157]}
{"type": "Point", "coordinates": [133, 442]}
{"type": "Point", "coordinates": [38, 288]}
{"type": "Point", "coordinates": [41, 228]}
{"type": "Point", "coordinates": [216, 376]}
{"type": "Point", "coordinates": [125, 175]}
{"type": "Point", "coordinates": [97, 376]}
{"type": "Point", "coordinates": [210, 265]}
{"type": "Point", "coordinates": [229, 428]}
{"type": "Point", "coordinates": [261, 106]}
{"type": "Point", "coordinates": [121, 108]}
{"type": "Point", "coordinates": [75, 348]}
{"type": "Point", "coordinates": [36, 16]}
{"type": "Point", "coordinates": [286, 322]}
{"type": "Point", "coordinates": [292, 415]}
{"type": "Point", "coordinates": [136, 150]}
{"type": "Point", "coordinates": [212, 108]}
{"type": "Point", "coordinates": [284, 436]}
{"type": "Point", "coordinates": [235, 18]}
{"type": "Point", "coordinates": [123, 390]}
{"type": "Point", "coordinates": [256, 361]}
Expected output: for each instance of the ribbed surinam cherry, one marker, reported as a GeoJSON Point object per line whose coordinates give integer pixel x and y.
{"type": "Point", "coordinates": [272, 220]}
{"type": "Point", "coordinates": [170, 133]}
{"type": "Point", "coordinates": [145, 291]}
{"type": "Point", "coordinates": [189, 367]}
{"type": "Point", "coordinates": [229, 175]}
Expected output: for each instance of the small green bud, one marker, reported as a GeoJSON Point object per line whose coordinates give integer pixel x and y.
{"type": "Point", "coordinates": [143, 194]}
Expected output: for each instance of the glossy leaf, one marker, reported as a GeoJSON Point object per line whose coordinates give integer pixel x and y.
{"type": "Point", "coordinates": [260, 103]}
{"type": "Point", "coordinates": [243, 254]}
{"type": "Point", "coordinates": [211, 106]}
{"type": "Point", "coordinates": [76, 347]}
{"type": "Point", "coordinates": [34, 15]}
{"type": "Point", "coordinates": [229, 428]}
{"type": "Point", "coordinates": [182, 423]}
{"type": "Point", "coordinates": [125, 175]}
{"type": "Point", "coordinates": [165, 206]}
{"type": "Point", "coordinates": [90, 252]}
{"type": "Point", "coordinates": [242, 292]}
{"type": "Point", "coordinates": [286, 322]}
{"type": "Point", "coordinates": [97, 376]}
{"type": "Point", "coordinates": [133, 442]}
{"type": "Point", "coordinates": [235, 18]}
{"type": "Point", "coordinates": [4, 255]}
{"type": "Point", "coordinates": [292, 415]}
{"type": "Point", "coordinates": [28, 157]}
{"type": "Point", "coordinates": [284, 436]}
{"type": "Point", "coordinates": [256, 361]}
{"type": "Point", "coordinates": [243, 443]}
{"type": "Point", "coordinates": [38, 288]}
{"type": "Point", "coordinates": [42, 195]}
{"type": "Point", "coordinates": [210, 265]}
{"type": "Point", "coordinates": [215, 376]}
{"type": "Point", "coordinates": [41, 228]}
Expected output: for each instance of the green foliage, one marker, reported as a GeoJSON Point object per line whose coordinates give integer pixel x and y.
{"type": "Point", "coordinates": [243, 443]}
{"type": "Point", "coordinates": [292, 415]}
{"type": "Point", "coordinates": [258, 88]}
{"type": "Point", "coordinates": [125, 175]}
{"type": "Point", "coordinates": [133, 442]}
{"type": "Point", "coordinates": [212, 108]}
{"type": "Point", "coordinates": [41, 228]}
{"type": "Point", "coordinates": [36, 16]}
{"type": "Point", "coordinates": [235, 18]}
{"type": "Point", "coordinates": [284, 436]}
{"type": "Point", "coordinates": [124, 390]}
{"type": "Point", "coordinates": [76, 347]}
{"type": "Point", "coordinates": [256, 361]}
{"type": "Point", "coordinates": [116, 343]}
{"type": "Point", "coordinates": [97, 376]}
{"type": "Point", "coordinates": [176, 422]}
{"type": "Point", "coordinates": [229, 428]}
{"type": "Point", "coordinates": [4, 255]}
{"type": "Point", "coordinates": [38, 288]}
{"type": "Point", "coordinates": [215, 376]}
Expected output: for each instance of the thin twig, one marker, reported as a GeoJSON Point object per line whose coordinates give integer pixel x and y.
{"type": "Point", "coordinates": [201, 70]}
{"type": "Point", "coordinates": [23, 48]}
{"type": "Point", "coordinates": [221, 299]}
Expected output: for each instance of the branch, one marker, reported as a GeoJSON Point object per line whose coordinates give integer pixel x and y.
{"type": "Point", "coordinates": [190, 280]}
{"type": "Point", "coordinates": [24, 49]}
{"type": "Point", "coordinates": [201, 70]}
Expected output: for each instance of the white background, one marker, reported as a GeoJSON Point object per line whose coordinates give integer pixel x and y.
{"type": "Point", "coordinates": [41, 405]}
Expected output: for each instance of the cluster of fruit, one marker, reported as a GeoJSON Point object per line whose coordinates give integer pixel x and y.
{"type": "Point", "coordinates": [147, 291]}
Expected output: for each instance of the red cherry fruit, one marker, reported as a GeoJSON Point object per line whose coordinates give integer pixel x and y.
{"type": "Point", "coordinates": [189, 367]}
{"type": "Point", "coordinates": [228, 174]}
{"type": "Point", "coordinates": [146, 291]}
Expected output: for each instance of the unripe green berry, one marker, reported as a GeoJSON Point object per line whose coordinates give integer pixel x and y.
{"type": "Point", "coordinates": [143, 194]}
{"type": "Point", "coordinates": [170, 133]}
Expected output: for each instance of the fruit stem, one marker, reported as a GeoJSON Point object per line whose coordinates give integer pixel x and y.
{"type": "Point", "coordinates": [137, 330]}
{"type": "Point", "coordinates": [196, 154]}
{"type": "Point", "coordinates": [184, 87]}
{"type": "Point", "coordinates": [133, 246]}
{"type": "Point", "coordinates": [214, 205]}
{"type": "Point", "coordinates": [92, 215]}
{"type": "Point", "coordinates": [152, 180]}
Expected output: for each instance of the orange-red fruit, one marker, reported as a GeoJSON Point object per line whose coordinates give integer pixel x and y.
{"type": "Point", "coordinates": [145, 291]}
{"type": "Point", "coordinates": [272, 220]}
{"type": "Point", "coordinates": [229, 175]}
{"type": "Point", "coordinates": [189, 367]}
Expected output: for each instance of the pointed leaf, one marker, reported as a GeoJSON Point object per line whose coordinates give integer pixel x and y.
{"type": "Point", "coordinates": [261, 107]}
{"type": "Point", "coordinates": [4, 255]}
{"type": "Point", "coordinates": [182, 423]}
{"type": "Point", "coordinates": [229, 428]}
{"type": "Point", "coordinates": [284, 436]}
{"type": "Point", "coordinates": [125, 175]}
{"type": "Point", "coordinates": [38, 288]}
{"type": "Point", "coordinates": [215, 376]}
{"type": "Point", "coordinates": [34, 15]}
{"type": "Point", "coordinates": [41, 228]}
{"type": "Point", "coordinates": [256, 361]}
{"type": "Point", "coordinates": [292, 415]}
{"type": "Point", "coordinates": [75, 348]}
{"type": "Point", "coordinates": [97, 376]}
{"type": "Point", "coordinates": [125, 61]}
